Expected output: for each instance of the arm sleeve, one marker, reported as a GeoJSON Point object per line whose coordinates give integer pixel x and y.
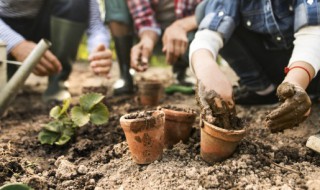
{"type": "Point", "coordinates": [9, 36]}
{"type": "Point", "coordinates": [307, 46]}
{"type": "Point", "coordinates": [306, 13]}
{"type": "Point", "coordinates": [206, 39]}
{"type": "Point", "coordinates": [220, 15]}
{"type": "Point", "coordinates": [143, 16]}
{"type": "Point", "coordinates": [97, 32]}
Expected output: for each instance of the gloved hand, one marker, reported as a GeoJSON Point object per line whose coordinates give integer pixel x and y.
{"type": "Point", "coordinates": [213, 108]}
{"type": "Point", "coordinates": [294, 109]}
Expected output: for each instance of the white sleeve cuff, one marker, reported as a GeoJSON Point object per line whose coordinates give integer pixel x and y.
{"type": "Point", "coordinates": [206, 39]}
{"type": "Point", "coordinates": [9, 36]}
{"type": "Point", "coordinates": [307, 46]}
{"type": "Point", "coordinates": [154, 29]}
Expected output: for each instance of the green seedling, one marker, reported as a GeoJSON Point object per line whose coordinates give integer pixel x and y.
{"type": "Point", "coordinates": [15, 186]}
{"type": "Point", "coordinates": [64, 124]}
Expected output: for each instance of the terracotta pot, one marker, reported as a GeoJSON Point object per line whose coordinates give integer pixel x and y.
{"type": "Point", "coordinates": [218, 144]}
{"type": "Point", "coordinates": [177, 127]}
{"type": "Point", "coordinates": [144, 136]}
{"type": "Point", "coordinates": [150, 92]}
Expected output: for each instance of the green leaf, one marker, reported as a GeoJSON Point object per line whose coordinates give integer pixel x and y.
{"type": "Point", "coordinates": [55, 112]}
{"type": "Point", "coordinates": [99, 114]}
{"type": "Point", "coordinates": [66, 104]}
{"type": "Point", "coordinates": [63, 140]}
{"type": "Point", "coordinates": [54, 126]}
{"type": "Point", "coordinates": [67, 133]}
{"type": "Point", "coordinates": [48, 137]}
{"type": "Point", "coordinates": [88, 101]}
{"type": "Point", "coordinates": [15, 186]}
{"type": "Point", "coordinates": [79, 116]}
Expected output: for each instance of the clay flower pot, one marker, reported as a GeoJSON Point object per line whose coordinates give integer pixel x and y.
{"type": "Point", "coordinates": [217, 143]}
{"type": "Point", "coordinates": [144, 135]}
{"type": "Point", "coordinates": [178, 125]}
{"type": "Point", "coordinates": [150, 92]}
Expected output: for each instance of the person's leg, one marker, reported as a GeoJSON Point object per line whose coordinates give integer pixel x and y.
{"type": "Point", "coordinates": [260, 70]}
{"type": "Point", "coordinates": [120, 24]}
{"type": "Point", "coordinates": [66, 30]}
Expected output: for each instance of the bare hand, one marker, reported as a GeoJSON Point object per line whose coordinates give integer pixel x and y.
{"type": "Point", "coordinates": [294, 109]}
{"type": "Point", "coordinates": [101, 60]}
{"type": "Point", "coordinates": [48, 64]}
{"type": "Point", "coordinates": [175, 43]}
{"type": "Point", "coordinates": [141, 53]}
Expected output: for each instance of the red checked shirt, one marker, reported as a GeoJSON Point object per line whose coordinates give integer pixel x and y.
{"type": "Point", "coordinates": [143, 12]}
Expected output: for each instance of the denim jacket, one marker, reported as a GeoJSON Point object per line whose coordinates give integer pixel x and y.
{"type": "Point", "coordinates": [277, 19]}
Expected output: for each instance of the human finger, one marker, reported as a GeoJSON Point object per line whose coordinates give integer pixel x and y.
{"type": "Point", "coordinates": [276, 127]}
{"type": "Point", "coordinates": [106, 54]}
{"type": "Point", "coordinates": [285, 91]}
{"type": "Point", "coordinates": [53, 61]}
{"type": "Point", "coordinates": [40, 70]}
{"type": "Point", "coordinates": [169, 53]}
{"type": "Point", "coordinates": [101, 66]}
{"type": "Point", "coordinates": [294, 114]}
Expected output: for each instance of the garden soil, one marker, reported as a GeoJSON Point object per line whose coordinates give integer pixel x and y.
{"type": "Point", "coordinates": [99, 158]}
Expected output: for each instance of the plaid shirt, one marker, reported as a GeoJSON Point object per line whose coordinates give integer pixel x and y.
{"type": "Point", "coordinates": [143, 12]}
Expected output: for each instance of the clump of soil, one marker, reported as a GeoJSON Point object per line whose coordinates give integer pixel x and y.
{"type": "Point", "coordinates": [216, 111]}
{"type": "Point", "coordinates": [175, 108]}
{"type": "Point", "coordinates": [140, 114]}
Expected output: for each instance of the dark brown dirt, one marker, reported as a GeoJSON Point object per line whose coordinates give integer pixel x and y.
{"type": "Point", "coordinates": [175, 108]}
{"type": "Point", "coordinates": [99, 158]}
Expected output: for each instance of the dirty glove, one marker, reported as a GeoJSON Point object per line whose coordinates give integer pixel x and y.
{"type": "Point", "coordinates": [213, 108]}
{"type": "Point", "coordinates": [294, 109]}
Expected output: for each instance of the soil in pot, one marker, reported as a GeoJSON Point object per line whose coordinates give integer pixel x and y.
{"type": "Point", "coordinates": [150, 92]}
{"type": "Point", "coordinates": [144, 133]}
{"type": "Point", "coordinates": [221, 131]}
{"type": "Point", "coordinates": [178, 124]}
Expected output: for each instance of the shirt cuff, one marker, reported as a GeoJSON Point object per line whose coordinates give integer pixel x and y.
{"type": "Point", "coordinates": [155, 29]}
{"type": "Point", "coordinates": [96, 39]}
{"type": "Point", "coordinates": [9, 36]}
{"type": "Point", "coordinates": [306, 47]}
{"type": "Point", "coordinates": [206, 39]}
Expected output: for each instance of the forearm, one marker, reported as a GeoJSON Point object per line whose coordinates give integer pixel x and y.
{"type": "Point", "coordinates": [9, 36]}
{"type": "Point", "coordinates": [150, 36]}
{"type": "Point", "coordinates": [206, 39]}
{"type": "Point", "coordinates": [305, 55]}
{"type": "Point", "coordinates": [206, 68]}
{"type": "Point", "coordinates": [299, 76]}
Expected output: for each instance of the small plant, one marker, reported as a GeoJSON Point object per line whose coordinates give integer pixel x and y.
{"type": "Point", "coordinates": [63, 127]}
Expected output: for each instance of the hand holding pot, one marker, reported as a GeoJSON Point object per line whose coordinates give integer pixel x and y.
{"type": "Point", "coordinates": [213, 107]}
{"type": "Point", "coordinates": [294, 109]}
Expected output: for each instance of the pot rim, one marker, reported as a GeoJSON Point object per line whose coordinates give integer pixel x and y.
{"type": "Point", "coordinates": [136, 120]}
{"type": "Point", "coordinates": [171, 114]}
{"type": "Point", "coordinates": [224, 134]}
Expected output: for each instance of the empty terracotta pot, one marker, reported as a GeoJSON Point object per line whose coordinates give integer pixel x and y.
{"type": "Point", "coordinates": [217, 144]}
{"type": "Point", "coordinates": [178, 126]}
{"type": "Point", "coordinates": [150, 92]}
{"type": "Point", "coordinates": [144, 136]}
